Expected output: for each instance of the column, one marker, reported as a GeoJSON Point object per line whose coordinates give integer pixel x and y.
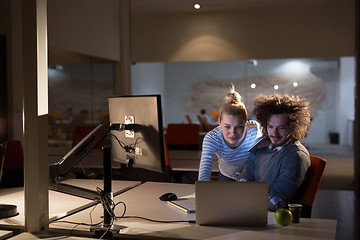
{"type": "Point", "coordinates": [35, 110]}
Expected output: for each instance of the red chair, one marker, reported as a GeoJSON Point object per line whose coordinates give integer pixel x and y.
{"type": "Point", "coordinates": [14, 155]}
{"type": "Point", "coordinates": [307, 192]}
{"type": "Point", "coordinates": [13, 166]}
{"type": "Point", "coordinates": [183, 136]}
{"type": "Point", "coordinates": [81, 132]}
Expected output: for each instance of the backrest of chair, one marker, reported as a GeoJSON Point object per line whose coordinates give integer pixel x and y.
{"type": "Point", "coordinates": [166, 153]}
{"type": "Point", "coordinates": [312, 183]}
{"type": "Point", "coordinates": [81, 132]}
{"type": "Point", "coordinates": [204, 125]}
{"type": "Point", "coordinates": [202, 122]}
{"type": "Point", "coordinates": [14, 155]}
{"type": "Point", "coordinates": [183, 136]}
{"type": "Point", "coordinates": [188, 119]}
{"type": "Point", "coordinates": [215, 115]}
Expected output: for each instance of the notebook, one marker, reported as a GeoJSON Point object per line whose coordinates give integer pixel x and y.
{"type": "Point", "coordinates": [185, 204]}
{"type": "Point", "coordinates": [231, 203]}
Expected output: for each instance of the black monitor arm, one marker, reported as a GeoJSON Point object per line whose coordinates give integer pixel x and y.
{"type": "Point", "coordinates": [58, 170]}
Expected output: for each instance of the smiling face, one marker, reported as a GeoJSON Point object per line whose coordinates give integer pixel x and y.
{"type": "Point", "coordinates": [278, 129]}
{"type": "Point", "coordinates": [232, 128]}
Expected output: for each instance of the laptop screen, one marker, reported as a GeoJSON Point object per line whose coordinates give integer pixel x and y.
{"type": "Point", "coordinates": [231, 203]}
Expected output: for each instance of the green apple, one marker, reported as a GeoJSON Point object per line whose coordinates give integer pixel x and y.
{"type": "Point", "coordinates": [283, 216]}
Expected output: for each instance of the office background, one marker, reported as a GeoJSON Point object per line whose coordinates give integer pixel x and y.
{"type": "Point", "coordinates": [163, 36]}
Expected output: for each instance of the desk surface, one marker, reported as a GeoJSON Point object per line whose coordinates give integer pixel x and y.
{"type": "Point", "coordinates": [143, 201]}
{"type": "Point", "coordinates": [5, 234]}
{"type": "Point", "coordinates": [57, 208]}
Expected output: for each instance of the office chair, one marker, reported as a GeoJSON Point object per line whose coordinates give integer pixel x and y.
{"type": "Point", "coordinates": [13, 165]}
{"type": "Point", "coordinates": [82, 131]}
{"type": "Point", "coordinates": [204, 125]}
{"type": "Point", "coordinates": [183, 136]}
{"type": "Point", "coordinates": [307, 191]}
{"type": "Point", "coordinates": [188, 119]}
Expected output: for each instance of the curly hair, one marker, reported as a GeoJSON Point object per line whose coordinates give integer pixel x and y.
{"type": "Point", "coordinates": [233, 105]}
{"type": "Point", "coordinates": [295, 107]}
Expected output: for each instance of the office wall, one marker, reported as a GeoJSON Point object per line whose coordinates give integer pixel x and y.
{"type": "Point", "coordinates": [288, 32]}
{"type": "Point", "coordinates": [190, 86]}
{"type": "Point", "coordinates": [91, 27]}
{"type": "Point", "coordinates": [149, 79]}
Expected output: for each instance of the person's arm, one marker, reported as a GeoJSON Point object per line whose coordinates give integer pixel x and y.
{"type": "Point", "coordinates": [247, 174]}
{"type": "Point", "coordinates": [207, 154]}
{"type": "Point", "coordinates": [291, 174]}
{"type": "Point", "coordinates": [271, 206]}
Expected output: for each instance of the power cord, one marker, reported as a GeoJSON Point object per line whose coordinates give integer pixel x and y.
{"type": "Point", "coordinates": [158, 221]}
{"type": "Point", "coordinates": [109, 206]}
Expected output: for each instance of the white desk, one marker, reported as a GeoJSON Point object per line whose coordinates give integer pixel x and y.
{"type": "Point", "coordinates": [5, 234]}
{"type": "Point", "coordinates": [29, 236]}
{"type": "Point", "coordinates": [144, 201]}
{"type": "Point", "coordinates": [60, 204]}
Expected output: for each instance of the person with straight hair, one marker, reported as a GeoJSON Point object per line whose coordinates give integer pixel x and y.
{"type": "Point", "coordinates": [230, 141]}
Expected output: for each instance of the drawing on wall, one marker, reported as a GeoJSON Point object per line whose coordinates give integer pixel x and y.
{"type": "Point", "coordinates": [209, 92]}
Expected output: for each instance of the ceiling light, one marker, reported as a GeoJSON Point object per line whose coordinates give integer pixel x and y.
{"type": "Point", "coordinates": [197, 6]}
{"type": "Point", "coordinates": [253, 85]}
{"type": "Point", "coordinates": [276, 87]}
{"type": "Point", "coordinates": [295, 84]}
{"type": "Point", "coordinates": [253, 62]}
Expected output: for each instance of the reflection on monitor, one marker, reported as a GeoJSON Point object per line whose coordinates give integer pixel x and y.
{"type": "Point", "coordinates": [141, 144]}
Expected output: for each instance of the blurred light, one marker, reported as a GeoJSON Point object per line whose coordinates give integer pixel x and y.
{"type": "Point", "coordinates": [253, 85]}
{"type": "Point", "coordinates": [57, 67]}
{"type": "Point", "coordinates": [253, 62]}
{"type": "Point", "coordinates": [197, 6]}
{"type": "Point", "coordinates": [295, 84]}
{"type": "Point", "coordinates": [276, 87]}
{"type": "Point", "coordinates": [295, 67]}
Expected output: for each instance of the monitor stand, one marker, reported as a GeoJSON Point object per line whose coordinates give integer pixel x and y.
{"type": "Point", "coordinates": [107, 229]}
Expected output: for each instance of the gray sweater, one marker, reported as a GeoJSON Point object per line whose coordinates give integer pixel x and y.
{"type": "Point", "coordinates": [283, 169]}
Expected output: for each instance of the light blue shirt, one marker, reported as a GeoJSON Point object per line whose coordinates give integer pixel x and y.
{"type": "Point", "coordinates": [231, 160]}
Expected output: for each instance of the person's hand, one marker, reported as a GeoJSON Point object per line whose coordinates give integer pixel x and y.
{"type": "Point", "coordinates": [271, 207]}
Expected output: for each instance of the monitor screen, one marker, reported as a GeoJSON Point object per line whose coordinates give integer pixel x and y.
{"type": "Point", "coordinates": [141, 143]}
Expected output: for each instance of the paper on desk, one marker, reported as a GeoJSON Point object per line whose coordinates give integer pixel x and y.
{"type": "Point", "coordinates": [188, 196]}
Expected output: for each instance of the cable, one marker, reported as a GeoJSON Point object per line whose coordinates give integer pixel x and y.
{"type": "Point", "coordinates": [123, 145]}
{"type": "Point", "coordinates": [128, 148]}
{"type": "Point", "coordinates": [109, 206]}
{"type": "Point", "coordinates": [158, 221]}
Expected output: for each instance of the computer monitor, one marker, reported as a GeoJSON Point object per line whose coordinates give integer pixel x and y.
{"type": "Point", "coordinates": [141, 144]}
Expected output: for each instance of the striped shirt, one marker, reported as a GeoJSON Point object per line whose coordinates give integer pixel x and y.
{"type": "Point", "coordinates": [231, 160]}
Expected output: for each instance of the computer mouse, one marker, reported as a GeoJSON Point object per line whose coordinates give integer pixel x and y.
{"type": "Point", "coordinates": [168, 197]}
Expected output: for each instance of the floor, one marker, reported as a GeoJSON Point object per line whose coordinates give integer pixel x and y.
{"type": "Point", "coordinates": [342, 206]}
{"type": "Point", "coordinates": [335, 198]}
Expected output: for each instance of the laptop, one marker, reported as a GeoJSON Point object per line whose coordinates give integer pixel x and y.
{"type": "Point", "coordinates": [231, 203]}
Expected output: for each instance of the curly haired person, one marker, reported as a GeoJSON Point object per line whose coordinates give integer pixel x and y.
{"type": "Point", "coordinates": [285, 120]}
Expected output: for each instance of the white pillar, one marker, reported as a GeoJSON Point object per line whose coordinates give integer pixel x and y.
{"type": "Point", "coordinates": [34, 43]}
